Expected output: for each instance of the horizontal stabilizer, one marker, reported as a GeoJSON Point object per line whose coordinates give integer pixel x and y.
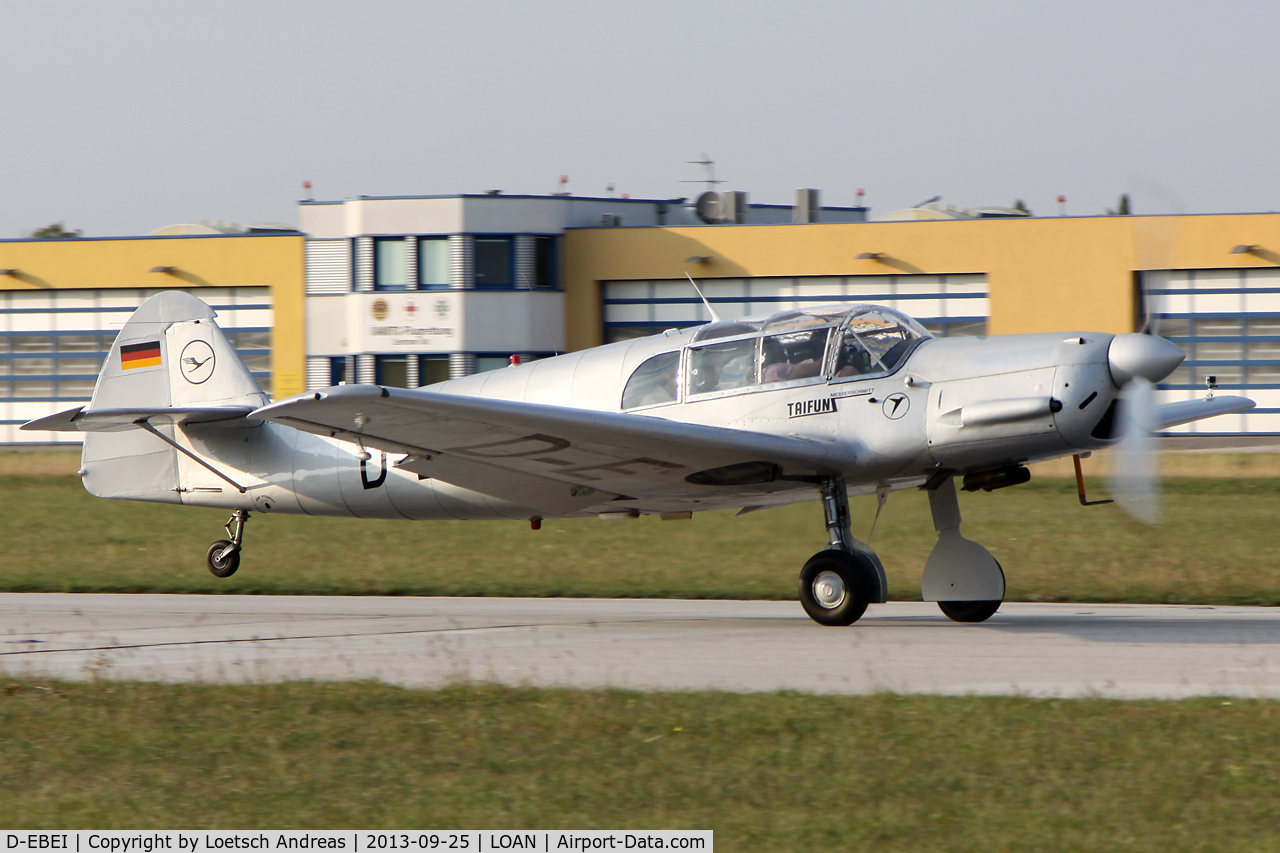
{"type": "Point", "coordinates": [115, 420]}
{"type": "Point", "coordinates": [1169, 415]}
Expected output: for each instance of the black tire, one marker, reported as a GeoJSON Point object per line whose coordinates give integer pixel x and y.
{"type": "Point", "coordinates": [225, 567]}
{"type": "Point", "coordinates": [969, 611]}
{"type": "Point", "coordinates": [841, 603]}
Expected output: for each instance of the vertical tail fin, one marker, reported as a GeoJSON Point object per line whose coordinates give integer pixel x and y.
{"type": "Point", "coordinates": [169, 353]}
{"type": "Point", "coordinates": [172, 353]}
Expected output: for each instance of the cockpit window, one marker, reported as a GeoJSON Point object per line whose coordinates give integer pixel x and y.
{"type": "Point", "coordinates": [722, 367]}
{"type": "Point", "coordinates": [872, 343]}
{"type": "Point", "coordinates": [792, 355]}
{"type": "Point", "coordinates": [654, 382]}
{"type": "Point", "coordinates": [794, 347]}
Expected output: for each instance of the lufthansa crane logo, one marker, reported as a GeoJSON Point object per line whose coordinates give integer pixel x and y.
{"type": "Point", "coordinates": [197, 362]}
{"type": "Point", "coordinates": [895, 406]}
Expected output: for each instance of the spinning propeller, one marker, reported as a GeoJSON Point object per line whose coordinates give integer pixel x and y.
{"type": "Point", "coordinates": [1138, 361]}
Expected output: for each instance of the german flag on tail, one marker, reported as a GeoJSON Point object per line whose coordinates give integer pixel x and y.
{"type": "Point", "coordinates": [140, 355]}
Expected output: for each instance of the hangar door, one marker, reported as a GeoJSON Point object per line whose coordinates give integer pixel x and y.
{"type": "Point", "coordinates": [947, 305]}
{"type": "Point", "coordinates": [1228, 323]}
{"type": "Point", "coordinates": [52, 343]}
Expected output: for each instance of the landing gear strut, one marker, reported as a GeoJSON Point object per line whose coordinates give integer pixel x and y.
{"type": "Point", "coordinates": [837, 584]}
{"type": "Point", "coordinates": [223, 557]}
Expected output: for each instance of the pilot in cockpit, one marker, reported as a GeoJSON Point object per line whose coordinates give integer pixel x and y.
{"type": "Point", "coordinates": [852, 359]}
{"type": "Point", "coordinates": [874, 350]}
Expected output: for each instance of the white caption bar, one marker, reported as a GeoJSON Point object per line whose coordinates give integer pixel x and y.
{"type": "Point", "coordinates": [354, 841]}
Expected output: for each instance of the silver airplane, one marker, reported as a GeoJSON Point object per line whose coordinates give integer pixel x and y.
{"type": "Point", "coordinates": [817, 403]}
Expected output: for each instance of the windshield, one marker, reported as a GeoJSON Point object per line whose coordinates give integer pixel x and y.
{"type": "Point", "coordinates": [873, 341]}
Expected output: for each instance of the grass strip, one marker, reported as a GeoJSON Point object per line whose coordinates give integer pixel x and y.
{"type": "Point", "coordinates": [765, 771]}
{"type": "Point", "coordinates": [1216, 547]}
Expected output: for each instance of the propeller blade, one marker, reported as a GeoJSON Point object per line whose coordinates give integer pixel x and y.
{"type": "Point", "coordinates": [1134, 479]}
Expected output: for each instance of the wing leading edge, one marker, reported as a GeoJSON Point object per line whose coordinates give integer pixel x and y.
{"type": "Point", "coordinates": [561, 459]}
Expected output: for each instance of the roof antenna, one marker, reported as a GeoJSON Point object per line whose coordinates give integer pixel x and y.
{"type": "Point", "coordinates": [715, 318]}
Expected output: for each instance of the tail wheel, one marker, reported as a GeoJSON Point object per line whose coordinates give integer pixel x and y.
{"type": "Point", "coordinates": [836, 587]}
{"type": "Point", "coordinates": [221, 563]}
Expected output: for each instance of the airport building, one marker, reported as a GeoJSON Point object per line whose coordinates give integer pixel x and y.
{"type": "Point", "coordinates": [407, 291]}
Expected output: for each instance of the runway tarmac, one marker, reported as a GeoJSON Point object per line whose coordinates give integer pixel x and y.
{"type": "Point", "coordinates": [1113, 650]}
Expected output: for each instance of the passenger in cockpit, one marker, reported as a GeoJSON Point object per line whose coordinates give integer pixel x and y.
{"type": "Point", "coordinates": [774, 367]}
{"type": "Point", "coordinates": [796, 355]}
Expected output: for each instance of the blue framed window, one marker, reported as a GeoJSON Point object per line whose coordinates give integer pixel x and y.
{"type": "Point", "coordinates": [51, 367]}
{"type": "Point", "coordinates": [544, 262]}
{"type": "Point", "coordinates": [432, 369]}
{"type": "Point", "coordinates": [494, 261]}
{"type": "Point", "coordinates": [62, 365]}
{"type": "Point", "coordinates": [1239, 351]}
{"type": "Point", "coordinates": [338, 371]}
{"type": "Point", "coordinates": [485, 363]}
{"type": "Point", "coordinates": [392, 370]}
{"type": "Point", "coordinates": [433, 263]}
{"type": "Point", "coordinates": [390, 264]}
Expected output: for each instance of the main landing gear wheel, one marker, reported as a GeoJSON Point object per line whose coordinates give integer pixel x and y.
{"type": "Point", "coordinates": [222, 563]}
{"type": "Point", "coordinates": [836, 586]}
{"type": "Point", "coordinates": [223, 556]}
{"type": "Point", "coordinates": [970, 611]}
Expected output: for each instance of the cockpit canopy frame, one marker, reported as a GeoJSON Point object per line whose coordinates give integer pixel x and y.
{"type": "Point", "coordinates": [787, 349]}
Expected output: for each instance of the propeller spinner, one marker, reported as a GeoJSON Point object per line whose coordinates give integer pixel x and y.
{"type": "Point", "coordinates": [1137, 362]}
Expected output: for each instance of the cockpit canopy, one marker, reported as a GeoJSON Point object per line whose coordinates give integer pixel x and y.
{"type": "Point", "coordinates": [788, 348]}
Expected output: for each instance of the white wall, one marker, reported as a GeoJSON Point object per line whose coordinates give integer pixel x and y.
{"type": "Point", "coordinates": [393, 216]}
{"type": "Point", "coordinates": [323, 220]}
{"type": "Point", "coordinates": [519, 321]}
{"type": "Point", "coordinates": [435, 321]}
{"type": "Point", "coordinates": [327, 325]}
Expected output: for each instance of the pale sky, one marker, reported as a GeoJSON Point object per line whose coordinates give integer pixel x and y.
{"type": "Point", "coordinates": [121, 117]}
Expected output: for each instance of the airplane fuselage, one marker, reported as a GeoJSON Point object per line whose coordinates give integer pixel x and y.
{"type": "Point", "coordinates": [890, 430]}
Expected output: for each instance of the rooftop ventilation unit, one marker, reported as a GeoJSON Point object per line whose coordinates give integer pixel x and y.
{"type": "Point", "coordinates": [727, 208]}
{"type": "Point", "coordinates": [806, 207]}
{"type": "Point", "coordinates": [707, 207]}
{"type": "Point", "coordinates": [733, 208]}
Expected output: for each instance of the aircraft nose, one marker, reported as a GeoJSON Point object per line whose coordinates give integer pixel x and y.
{"type": "Point", "coordinates": [1151, 357]}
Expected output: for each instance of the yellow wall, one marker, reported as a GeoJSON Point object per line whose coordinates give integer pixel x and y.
{"type": "Point", "coordinates": [230, 261]}
{"type": "Point", "coordinates": [1044, 274]}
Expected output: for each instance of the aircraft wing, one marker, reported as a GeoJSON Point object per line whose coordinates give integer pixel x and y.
{"type": "Point", "coordinates": [542, 455]}
{"type": "Point", "coordinates": [1169, 415]}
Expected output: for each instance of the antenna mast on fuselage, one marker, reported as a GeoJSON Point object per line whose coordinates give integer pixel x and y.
{"type": "Point", "coordinates": [715, 318]}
